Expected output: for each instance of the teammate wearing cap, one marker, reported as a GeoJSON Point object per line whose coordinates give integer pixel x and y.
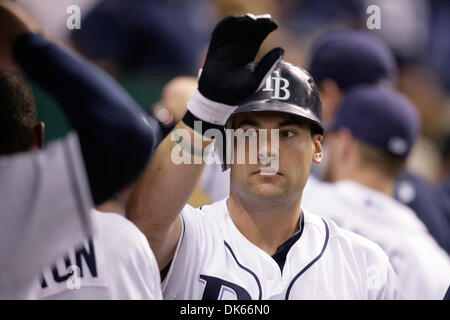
{"type": "Point", "coordinates": [341, 60]}
{"type": "Point", "coordinates": [334, 54]}
{"type": "Point", "coordinates": [368, 144]}
{"type": "Point", "coordinates": [258, 243]}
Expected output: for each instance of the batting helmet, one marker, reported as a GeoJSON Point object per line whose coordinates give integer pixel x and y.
{"type": "Point", "coordinates": [289, 89]}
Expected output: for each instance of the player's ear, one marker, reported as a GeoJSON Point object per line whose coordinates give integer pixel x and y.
{"type": "Point", "coordinates": [317, 148]}
{"type": "Point", "coordinates": [38, 136]}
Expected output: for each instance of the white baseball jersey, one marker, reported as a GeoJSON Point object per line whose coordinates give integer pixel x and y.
{"type": "Point", "coordinates": [214, 260]}
{"type": "Point", "coordinates": [45, 203]}
{"type": "Point", "coordinates": [117, 263]}
{"type": "Point", "coordinates": [423, 268]}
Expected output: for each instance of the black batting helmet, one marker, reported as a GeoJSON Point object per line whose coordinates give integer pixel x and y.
{"type": "Point", "coordinates": [289, 89]}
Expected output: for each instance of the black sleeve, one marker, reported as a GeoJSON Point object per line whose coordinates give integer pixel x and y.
{"type": "Point", "coordinates": [115, 137]}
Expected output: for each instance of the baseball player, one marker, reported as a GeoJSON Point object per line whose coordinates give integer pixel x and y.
{"type": "Point", "coordinates": [333, 56]}
{"type": "Point", "coordinates": [47, 195]}
{"type": "Point", "coordinates": [369, 141]}
{"type": "Point", "coordinates": [258, 243]}
{"type": "Point", "coordinates": [116, 263]}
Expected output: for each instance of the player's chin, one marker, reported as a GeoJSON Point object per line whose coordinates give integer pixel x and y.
{"type": "Point", "coordinates": [266, 180]}
{"type": "Point", "coordinates": [268, 188]}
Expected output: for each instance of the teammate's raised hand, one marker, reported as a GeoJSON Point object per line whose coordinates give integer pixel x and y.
{"type": "Point", "coordinates": [14, 21]}
{"type": "Point", "coordinates": [228, 74]}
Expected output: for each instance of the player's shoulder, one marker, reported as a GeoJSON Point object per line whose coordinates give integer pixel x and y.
{"type": "Point", "coordinates": [114, 220]}
{"type": "Point", "coordinates": [208, 211]}
{"type": "Point", "coordinates": [208, 219]}
{"type": "Point", "coordinates": [344, 240]}
{"type": "Point", "coordinates": [124, 243]}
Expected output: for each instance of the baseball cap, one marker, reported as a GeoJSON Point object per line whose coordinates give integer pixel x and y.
{"type": "Point", "coordinates": [381, 117]}
{"type": "Point", "coordinates": [351, 57]}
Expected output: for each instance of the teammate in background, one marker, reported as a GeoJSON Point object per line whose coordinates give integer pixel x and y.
{"type": "Point", "coordinates": [343, 59]}
{"type": "Point", "coordinates": [368, 144]}
{"type": "Point", "coordinates": [258, 243]}
{"type": "Point", "coordinates": [47, 195]}
{"type": "Point", "coordinates": [334, 54]}
{"type": "Point", "coordinates": [116, 263]}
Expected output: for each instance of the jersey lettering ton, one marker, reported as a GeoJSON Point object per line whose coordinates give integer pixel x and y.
{"type": "Point", "coordinates": [213, 260]}
{"type": "Point", "coordinates": [117, 263]}
{"type": "Point", "coordinates": [45, 205]}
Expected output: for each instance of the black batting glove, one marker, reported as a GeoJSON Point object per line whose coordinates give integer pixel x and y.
{"type": "Point", "coordinates": [230, 73]}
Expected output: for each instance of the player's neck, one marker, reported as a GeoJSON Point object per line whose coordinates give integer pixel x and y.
{"type": "Point", "coordinates": [112, 206]}
{"type": "Point", "coordinates": [265, 229]}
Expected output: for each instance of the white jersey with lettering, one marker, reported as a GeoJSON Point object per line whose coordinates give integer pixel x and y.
{"type": "Point", "coordinates": [423, 268]}
{"type": "Point", "coordinates": [214, 260]}
{"type": "Point", "coordinates": [45, 203]}
{"type": "Point", "coordinates": [117, 263]}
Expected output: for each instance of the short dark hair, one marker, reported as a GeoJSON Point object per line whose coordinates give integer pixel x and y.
{"type": "Point", "coordinates": [17, 113]}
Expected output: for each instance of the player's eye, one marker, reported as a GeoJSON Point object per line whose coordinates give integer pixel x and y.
{"type": "Point", "coordinates": [287, 133]}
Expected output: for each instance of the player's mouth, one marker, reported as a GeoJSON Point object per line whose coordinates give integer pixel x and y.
{"type": "Point", "coordinates": [267, 172]}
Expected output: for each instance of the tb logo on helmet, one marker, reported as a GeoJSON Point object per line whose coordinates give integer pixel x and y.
{"type": "Point", "coordinates": [280, 85]}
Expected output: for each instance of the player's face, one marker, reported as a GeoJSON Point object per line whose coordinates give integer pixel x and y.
{"type": "Point", "coordinates": [282, 166]}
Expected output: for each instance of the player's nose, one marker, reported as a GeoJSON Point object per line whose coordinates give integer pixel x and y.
{"type": "Point", "coordinates": [268, 146]}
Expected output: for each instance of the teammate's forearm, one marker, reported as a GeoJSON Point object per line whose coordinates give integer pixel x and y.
{"type": "Point", "coordinates": [115, 140]}
{"type": "Point", "coordinates": [162, 191]}
{"type": "Point", "coordinates": [165, 186]}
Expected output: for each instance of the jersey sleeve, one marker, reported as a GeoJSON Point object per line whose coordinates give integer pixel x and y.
{"type": "Point", "coordinates": [384, 284]}
{"type": "Point", "coordinates": [143, 278]}
{"type": "Point", "coordinates": [379, 280]}
{"type": "Point", "coordinates": [369, 266]}
{"type": "Point", "coordinates": [45, 209]}
{"type": "Point", "coordinates": [133, 272]}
